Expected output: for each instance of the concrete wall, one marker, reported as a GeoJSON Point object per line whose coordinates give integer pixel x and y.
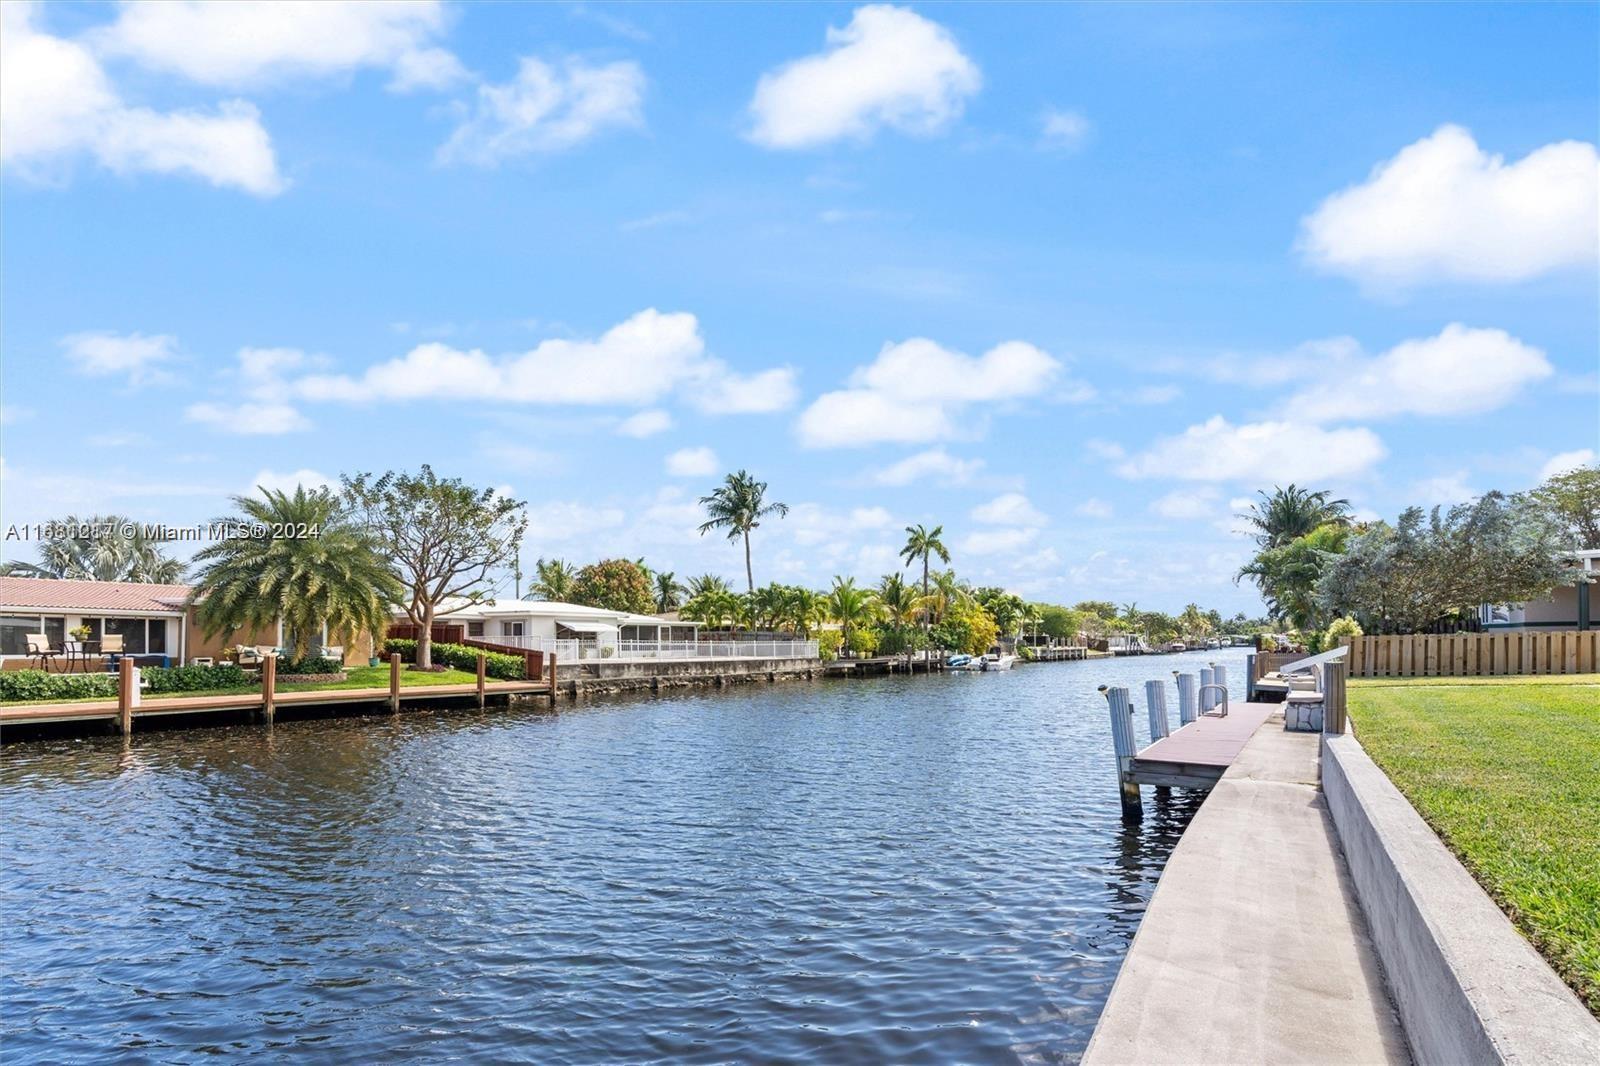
{"type": "Point", "coordinates": [595, 677]}
{"type": "Point", "coordinates": [1468, 987]}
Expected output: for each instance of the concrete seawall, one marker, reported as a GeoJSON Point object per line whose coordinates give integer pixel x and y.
{"type": "Point", "coordinates": [596, 677]}
{"type": "Point", "coordinates": [1468, 987]}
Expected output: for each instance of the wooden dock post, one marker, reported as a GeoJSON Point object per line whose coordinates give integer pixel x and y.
{"type": "Point", "coordinates": [1123, 743]}
{"type": "Point", "coordinates": [269, 687]}
{"type": "Point", "coordinates": [552, 679]}
{"type": "Point", "coordinates": [127, 685]}
{"type": "Point", "coordinates": [1186, 700]}
{"type": "Point", "coordinates": [483, 669]}
{"type": "Point", "coordinates": [1333, 705]}
{"type": "Point", "coordinates": [1155, 697]}
{"type": "Point", "coordinates": [394, 684]}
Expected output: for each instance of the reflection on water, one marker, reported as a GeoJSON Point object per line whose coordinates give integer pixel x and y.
{"type": "Point", "coordinates": [904, 868]}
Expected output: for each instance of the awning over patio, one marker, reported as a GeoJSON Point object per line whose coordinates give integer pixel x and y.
{"type": "Point", "coordinates": [599, 629]}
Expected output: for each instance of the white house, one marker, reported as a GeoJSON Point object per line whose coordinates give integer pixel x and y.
{"type": "Point", "coordinates": [539, 625]}
{"type": "Point", "coordinates": [1567, 606]}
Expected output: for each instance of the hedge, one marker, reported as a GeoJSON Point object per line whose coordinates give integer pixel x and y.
{"type": "Point", "coordinates": [499, 666]}
{"type": "Point", "coordinates": [29, 685]}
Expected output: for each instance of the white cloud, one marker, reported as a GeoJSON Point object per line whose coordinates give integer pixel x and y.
{"type": "Point", "coordinates": [1462, 371]}
{"type": "Point", "coordinates": [728, 393]}
{"type": "Point", "coordinates": [248, 419]}
{"type": "Point", "coordinates": [288, 482]}
{"type": "Point", "coordinates": [1262, 452]}
{"type": "Point", "coordinates": [1063, 129]}
{"type": "Point", "coordinates": [814, 523]}
{"type": "Point", "coordinates": [660, 218]}
{"type": "Point", "coordinates": [645, 424]}
{"type": "Point", "coordinates": [996, 541]}
{"type": "Point", "coordinates": [56, 104]}
{"type": "Point", "coordinates": [914, 390]}
{"type": "Point", "coordinates": [1093, 508]}
{"type": "Point", "coordinates": [1105, 449]}
{"type": "Point", "coordinates": [1188, 503]}
{"type": "Point", "coordinates": [1445, 489]}
{"type": "Point", "coordinates": [635, 363]}
{"type": "Point", "coordinates": [889, 67]}
{"type": "Point", "coordinates": [692, 462]}
{"type": "Point", "coordinates": [563, 521]}
{"type": "Point", "coordinates": [545, 109]}
{"type": "Point", "coordinates": [935, 463]}
{"type": "Point", "coordinates": [245, 43]}
{"type": "Point", "coordinates": [1151, 395]}
{"type": "Point", "coordinates": [1563, 462]}
{"type": "Point", "coordinates": [1009, 509]}
{"type": "Point", "coordinates": [1444, 209]}
{"type": "Point", "coordinates": [133, 354]}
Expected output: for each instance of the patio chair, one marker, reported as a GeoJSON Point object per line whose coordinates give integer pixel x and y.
{"type": "Point", "coordinates": [111, 650]}
{"type": "Point", "coordinates": [334, 652]}
{"type": "Point", "coordinates": [40, 651]}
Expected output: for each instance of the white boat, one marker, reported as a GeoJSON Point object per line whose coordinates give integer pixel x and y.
{"type": "Point", "coordinates": [1177, 645]}
{"type": "Point", "coordinates": [959, 662]}
{"type": "Point", "coordinates": [1213, 643]}
{"type": "Point", "coordinates": [996, 662]}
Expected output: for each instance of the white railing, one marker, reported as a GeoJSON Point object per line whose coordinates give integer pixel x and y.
{"type": "Point", "coordinates": [644, 650]}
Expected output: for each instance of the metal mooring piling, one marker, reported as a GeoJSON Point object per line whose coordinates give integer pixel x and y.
{"type": "Point", "coordinates": [1186, 700]}
{"type": "Point", "coordinates": [1208, 699]}
{"type": "Point", "coordinates": [1122, 743]}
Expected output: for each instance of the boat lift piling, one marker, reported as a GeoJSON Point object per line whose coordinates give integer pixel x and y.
{"type": "Point", "coordinates": [1155, 698]}
{"type": "Point", "coordinates": [1122, 742]}
{"type": "Point", "coordinates": [1186, 697]}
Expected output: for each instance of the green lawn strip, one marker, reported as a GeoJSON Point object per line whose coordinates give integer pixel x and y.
{"type": "Point", "coordinates": [378, 677]}
{"type": "Point", "coordinates": [1472, 682]}
{"type": "Point", "coordinates": [1508, 775]}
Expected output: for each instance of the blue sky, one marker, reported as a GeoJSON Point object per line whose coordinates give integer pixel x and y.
{"type": "Point", "coordinates": [1070, 281]}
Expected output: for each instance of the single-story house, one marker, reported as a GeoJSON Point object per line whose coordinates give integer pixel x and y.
{"type": "Point", "coordinates": [152, 620]}
{"type": "Point", "coordinates": [533, 623]}
{"type": "Point", "coordinates": [1567, 607]}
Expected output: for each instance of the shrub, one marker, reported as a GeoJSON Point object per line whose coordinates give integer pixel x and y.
{"type": "Point", "coordinates": [864, 640]}
{"type": "Point", "coordinates": [1339, 629]}
{"type": "Point", "coordinates": [312, 664]}
{"type": "Point", "coordinates": [29, 685]}
{"type": "Point", "coordinates": [829, 641]}
{"type": "Point", "coordinates": [194, 678]}
{"type": "Point", "coordinates": [500, 667]}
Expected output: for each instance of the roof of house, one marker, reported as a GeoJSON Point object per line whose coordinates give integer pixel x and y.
{"type": "Point", "coordinates": [459, 609]}
{"type": "Point", "coordinates": [46, 594]}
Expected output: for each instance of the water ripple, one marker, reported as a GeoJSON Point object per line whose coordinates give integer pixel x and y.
{"type": "Point", "coordinates": [928, 869]}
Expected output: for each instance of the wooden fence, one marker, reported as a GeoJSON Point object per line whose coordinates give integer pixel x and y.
{"type": "Point", "coordinates": [1476, 654]}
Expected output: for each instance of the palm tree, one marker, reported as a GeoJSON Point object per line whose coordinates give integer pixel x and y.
{"type": "Point", "coordinates": [898, 600]}
{"type": "Point", "coordinates": [948, 591]}
{"type": "Point", "coordinates": [699, 586]}
{"type": "Point", "coordinates": [923, 543]}
{"type": "Point", "coordinates": [804, 609]}
{"type": "Point", "coordinates": [738, 505]}
{"type": "Point", "coordinates": [850, 606]}
{"type": "Point", "coordinates": [1287, 514]}
{"type": "Point", "coordinates": [668, 592]}
{"type": "Point", "coordinates": [556, 578]}
{"type": "Point", "coordinates": [338, 580]}
{"type": "Point", "coordinates": [100, 548]}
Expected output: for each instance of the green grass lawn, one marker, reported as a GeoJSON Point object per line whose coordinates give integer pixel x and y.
{"type": "Point", "coordinates": [359, 677]}
{"type": "Point", "coordinates": [1507, 772]}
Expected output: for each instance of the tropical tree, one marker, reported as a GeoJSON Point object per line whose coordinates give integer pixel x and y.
{"type": "Point", "coordinates": [706, 583]}
{"type": "Point", "coordinates": [738, 505]}
{"type": "Point", "coordinates": [899, 604]}
{"type": "Point", "coordinates": [1573, 500]}
{"type": "Point", "coordinates": [1284, 514]}
{"type": "Point", "coordinates": [946, 592]}
{"type": "Point", "coordinates": [100, 548]}
{"type": "Point", "coordinates": [442, 536]}
{"type": "Point", "coordinates": [556, 577]}
{"type": "Point", "coordinates": [338, 579]}
{"type": "Point", "coordinates": [615, 584]}
{"type": "Point", "coordinates": [669, 594]}
{"type": "Point", "coordinates": [1288, 575]}
{"type": "Point", "coordinates": [923, 543]}
{"type": "Point", "coordinates": [715, 607]}
{"type": "Point", "coordinates": [1007, 608]}
{"type": "Point", "coordinates": [851, 607]}
{"type": "Point", "coordinates": [804, 609]}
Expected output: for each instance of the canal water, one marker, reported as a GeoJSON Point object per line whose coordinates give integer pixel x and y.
{"type": "Point", "coordinates": [926, 869]}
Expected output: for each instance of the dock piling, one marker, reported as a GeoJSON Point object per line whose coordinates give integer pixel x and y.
{"type": "Point", "coordinates": [483, 669]}
{"type": "Point", "coordinates": [127, 685]}
{"type": "Point", "coordinates": [1123, 744]}
{"type": "Point", "coordinates": [1186, 697]}
{"type": "Point", "coordinates": [269, 687]}
{"type": "Point", "coordinates": [552, 679]}
{"type": "Point", "coordinates": [1333, 705]}
{"type": "Point", "coordinates": [394, 684]}
{"type": "Point", "coordinates": [1207, 700]}
{"type": "Point", "coordinates": [1155, 696]}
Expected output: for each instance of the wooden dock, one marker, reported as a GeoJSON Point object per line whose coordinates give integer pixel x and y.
{"type": "Point", "coordinates": [882, 664]}
{"type": "Point", "coordinates": [129, 705]}
{"type": "Point", "coordinates": [1198, 754]}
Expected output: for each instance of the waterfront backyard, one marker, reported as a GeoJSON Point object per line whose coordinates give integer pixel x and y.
{"type": "Point", "coordinates": [1504, 770]}
{"type": "Point", "coordinates": [929, 868]}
